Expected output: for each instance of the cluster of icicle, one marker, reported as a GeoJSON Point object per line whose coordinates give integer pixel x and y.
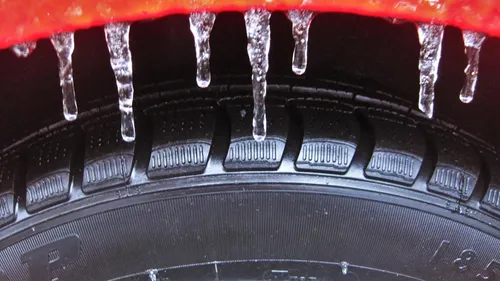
{"type": "Point", "coordinates": [257, 22]}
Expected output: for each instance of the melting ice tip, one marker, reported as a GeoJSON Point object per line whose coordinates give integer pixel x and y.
{"type": "Point", "coordinates": [465, 99]}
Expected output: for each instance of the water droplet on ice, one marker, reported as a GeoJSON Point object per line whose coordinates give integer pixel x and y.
{"type": "Point", "coordinates": [117, 38]}
{"type": "Point", "coordinates": [431, 38]}
{"type": "Point", "coordinates": [201, 24]}
{"type": "Point", "coordinates": [472, 42]}
{"type": "Point", "coordinates": [259, 40]}
{"type": "Point", "coordinates": [23, 50]}
{"type": "Point", "coordinates": [64, 44]}
{"type": "Point", "coordinates": [301, 21]}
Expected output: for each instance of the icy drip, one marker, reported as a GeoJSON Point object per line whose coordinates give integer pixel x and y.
{"type": "Point", "coordinates": [23, 50]}
{"type": "Point", "coordinates": [301, 21]}
{"type": "Point", "coordinates": [117, 38]}
{"type": "Point", "coordinates": [473, 42]}
{"type": "Point", "coordinates": [64, 44]}
{"type": "Point", "coordinates": [259, 34]}
{"type": "Point", "coordinates": [201, 24]}
{"type": "Point", "coordinates": [431, 38]}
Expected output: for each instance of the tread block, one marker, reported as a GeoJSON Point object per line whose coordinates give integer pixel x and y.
{"type": "Point", "coordinates": [181, 140]}
{"type": "Point", "coordinates": [330, 140]}
{"type": "Point", "coordinates": [9, 173]}
{"type": "Point", "coordinates": [491, 200]}
{"type": "Point", "coordinates": [398, 153]}
{"type": "Point", "coordinates": [457, 168]}
{"type": "Point", "coordinates": [108, 159]}
{"type": "Point", "coordinates": [244, 152]}
{"type": "Point", "coordinates": [49, 170]}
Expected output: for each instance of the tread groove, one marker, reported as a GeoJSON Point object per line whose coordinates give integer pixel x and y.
{"type": "Point", "coordinates": [366, 146]}
{"type": "Point", "coordinates": [220, 142]}
{"type": "Point", "coordinates": [294, 138]}
{"type": "Point", "coordinates": [428, 163]}
{"type": "Point", "coordinates": [481, 189]}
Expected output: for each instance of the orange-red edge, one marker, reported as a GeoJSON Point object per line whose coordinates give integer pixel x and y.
{"type": "Point", "coordinates": [26, 20]}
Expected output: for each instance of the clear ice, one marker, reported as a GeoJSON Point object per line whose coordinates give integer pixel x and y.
{"type": "Point", "coordinates": [472, 42]}
{"type": "Point", "coordinates": [431, 38]}
{"type": "Point", "coordinates": [23, 50]}
{"type": "Point", "coordinates": [259, 39]}
{"type": "Point", "coordinates": [117, 38]}
{"type": "Point", "coordinates": [201, 24]}
{"type": "Point", "coordinates": [64, 44]}
{"type": "Point", "coordinates": [301, 21]}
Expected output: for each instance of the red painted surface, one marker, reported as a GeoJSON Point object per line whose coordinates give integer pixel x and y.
{"type": "Point", "coordinates": [23, 20]}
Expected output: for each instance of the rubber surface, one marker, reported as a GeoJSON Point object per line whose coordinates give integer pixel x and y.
{"type": "Point", "coordinates": [341, 177]}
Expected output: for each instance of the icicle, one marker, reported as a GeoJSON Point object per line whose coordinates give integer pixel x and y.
{"type": "Point", "coordinates": [201, 24]}
{"type": "Point", "coordinates": [301, 21]}
{"type": "Point", "coordinates": [23, 50]}
{"type": "Point", "coordinates": [64, 44]}
{"type": "Point", "coordinates": [431, 38]}
{"type": "Point", "coordinates": [473, 42]}
{"type": "Point", "coordinates": [117, 38]}
{"type": "Point", "coordinates": [259, 39]}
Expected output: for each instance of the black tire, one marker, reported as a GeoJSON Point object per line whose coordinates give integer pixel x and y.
{"type": "Point", "coordinates": [350, 184]}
